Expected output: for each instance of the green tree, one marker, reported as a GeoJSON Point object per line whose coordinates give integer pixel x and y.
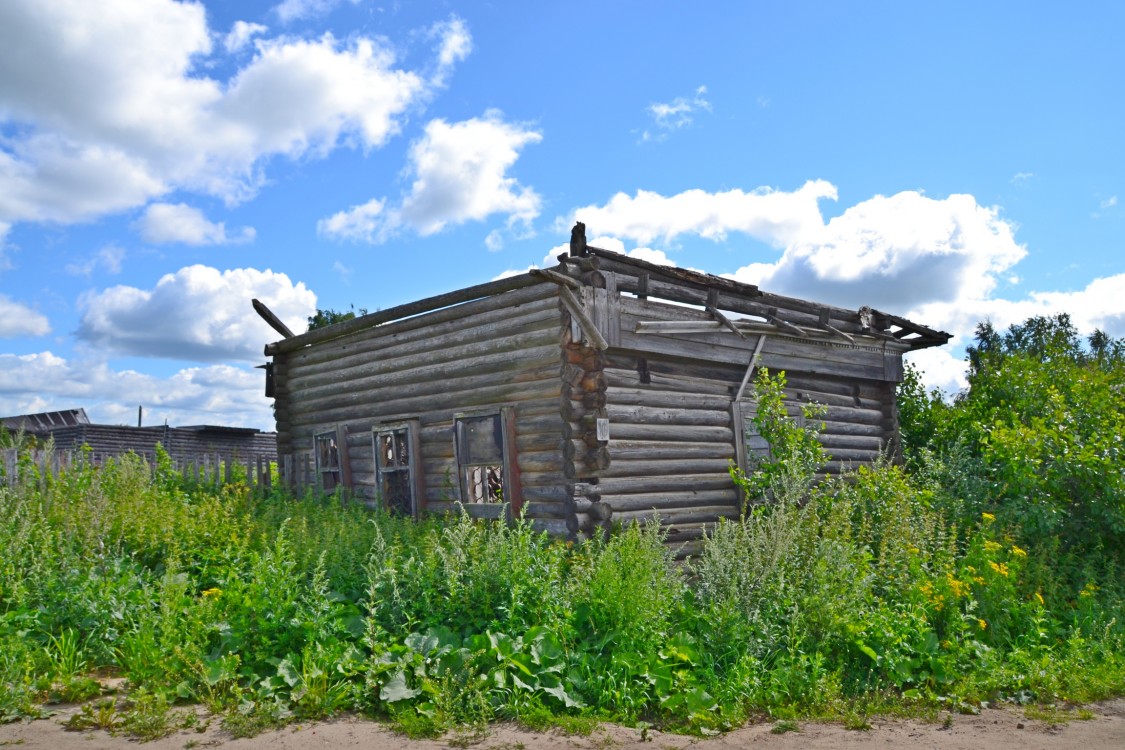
{"type": "Point", "coordinates": [1041, 430]}
{"type": "Point", "coordinates": [329, 317]}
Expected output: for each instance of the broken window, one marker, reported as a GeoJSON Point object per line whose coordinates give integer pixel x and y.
{"type": "Point", "coordinates": [757, 449]}
{"type": "Point", "coordinates": [396, 462]}
{"type": "Point", "coordinates": [327, 461]}
{"type": "Point", "coordinates": [480, 458]}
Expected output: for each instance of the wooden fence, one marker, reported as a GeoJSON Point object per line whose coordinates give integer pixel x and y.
{"type": "Point", "coordinates": [18, 466]}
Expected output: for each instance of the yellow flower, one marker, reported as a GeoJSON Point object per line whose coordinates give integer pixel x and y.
{"type": "Point", "coordinates": [991, 546]}
{"type": "Point", "coordinates": [212, 592]}
{"type": "Point", "coordinates": [983, 625]}
{"type": "Point", "coordinates": [959, 588]}
{"type": "Point", "coordinates": [988, 517]}
{"type": "Point", "coordinates": [1018, 552]}
{"type": "Point", "coordinates": [1001, 568]}
{"type": "Point", "coordinates": [1039, 598]}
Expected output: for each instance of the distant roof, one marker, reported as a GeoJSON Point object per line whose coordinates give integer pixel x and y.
{"type": "Point", "coordinates": [219, 428]}
{"type": "Point", "coordinates": [46, 420]}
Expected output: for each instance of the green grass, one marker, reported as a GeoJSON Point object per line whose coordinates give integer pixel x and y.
{"type": "Point", "coordinates": [860, 600]}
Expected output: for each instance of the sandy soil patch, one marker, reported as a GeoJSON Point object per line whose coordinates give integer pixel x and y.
{"type": "Point", "coordinates": [993, 729]}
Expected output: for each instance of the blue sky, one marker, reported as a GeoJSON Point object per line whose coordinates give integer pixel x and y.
{"type": "Point", "coordinates": [162, 163]}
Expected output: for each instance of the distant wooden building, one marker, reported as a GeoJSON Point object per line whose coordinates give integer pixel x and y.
{"type": "Point", "coordinates": [607, 387]}
{"type": "Point", "coordinates": [72, 429]}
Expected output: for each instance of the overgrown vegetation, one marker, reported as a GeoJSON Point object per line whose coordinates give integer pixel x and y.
{"type": "Point", "coordinates": [989, 569]}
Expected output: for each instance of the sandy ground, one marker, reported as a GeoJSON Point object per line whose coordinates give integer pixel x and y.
{"type": "Point", "coordinates": [993, 729]}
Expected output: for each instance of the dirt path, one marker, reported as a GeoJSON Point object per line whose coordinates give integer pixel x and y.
{"type": "Point", "coordinates": [994, 729]}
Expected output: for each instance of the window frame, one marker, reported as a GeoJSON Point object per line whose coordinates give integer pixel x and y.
{"type": "Point", "coordinates": [413, 469]}
{"type": "Point", "coordinates": [336, 471]}
{"type": "Point", "coordinates": [511, 489]}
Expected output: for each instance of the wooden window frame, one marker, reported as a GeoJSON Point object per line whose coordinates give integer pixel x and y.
{"type": "Point", "coordinates": [322, 470]}
{"type": "Point", "coordinates": [512, 491]}
{"type": "Point", "coordinates": [413, 469]}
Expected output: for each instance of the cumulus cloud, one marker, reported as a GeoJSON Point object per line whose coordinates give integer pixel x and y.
{"type": "Point", "coordinates": [296, 10]}
{"type": "Point", "coordinates": [198, 313]}
{"type": "Point", "coordinates": [774, 216]}
{"type": "Point", "coordinates": [676, 114]}
{"type": "Point", "coordinates": [17, 319]}
{"type": "Point", "coordinates": [898, 252]}
{"type": "Point", "coordinates": [218, 394]}
{"type": "Point", "coordinates": [460, 174]}
{"type": "Point", "coordinates": [454, 45]}
{"type": "Point", "coordinates": [163, 223]}
{"type": "Point", "coordinates": [358, 223]}
{"type": "Point", "coordinates": [240, 35]}
{"type": "Point", "coordinates": [118, 108]}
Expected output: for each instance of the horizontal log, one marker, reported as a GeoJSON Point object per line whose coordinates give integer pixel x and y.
{"type": "Point", "coordinates": [670, 517]}
{"type": "Point", "coordinates": [676, 483]}
{"type": "Point", "coordinates": [660, 398]}
{"type": "Point", "coordinates": [429, 304]}
{"type": "Point", "coordinates": [654, 468]}
{"type": "Point", "coordinates": [308, 382]}
{"type": "Point", "coordinates": [854, 455]}
{"type": "Point", "coordinates": [626, 414]}
{"type": "Point", "coordinates": [545, 510]}
{"type": "Point", "coordinates": [659, 449]}
{"type": "Point", "coordinates": [515, 310]}
{"type": "Point", "coordinates": [554, 527]}
{"type": "Point", "coordinates": [670, 432]}
{"type": "Point", "coordinates": [353, 408]}
{"type": "Point", "coordinates": [718, 382]}
{"type": "Point", "coordinates": [857, 442]}
{"type": "Point", "coordinates": [851, 428]}
{"type": "Point", "coordinates": [664, 346]}
{"type": "Point", "coordinates": [669, 500]}
{"type": "Point", "coordinates": [555, 493]}
{"type": "Point", "coordinates": [533, 377]}
{"type": "Point", "coordinates": [540, 461]}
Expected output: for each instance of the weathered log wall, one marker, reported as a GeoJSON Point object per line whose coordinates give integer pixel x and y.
{"type": "Point", "coordinates": [668, 397]}
{"type": "Point", "coordinates": [476, 357]}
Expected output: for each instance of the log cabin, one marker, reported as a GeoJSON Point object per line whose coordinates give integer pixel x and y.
{"type": "Point", "coordinates": [605, 389]}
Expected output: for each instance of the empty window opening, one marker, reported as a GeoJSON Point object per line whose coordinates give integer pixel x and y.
{"type": "Point", "coordinates": [327, 461]}
{"type": "Point", "coordinates": [480, 458]}
{"type": "Point", "coordinates": [395, 466]}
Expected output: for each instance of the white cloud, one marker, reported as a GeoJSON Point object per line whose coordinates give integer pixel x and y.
{"type": "Point", "coordinates": [513, 272]}
{"type": "Point", "coordinates": [460, 174]}
{"type": "Point", "coordinates": [774, 216]}
{"type": "Point", "coordinates": [652, 256]}
{"type": "Point", "coordinates": [898, 252]}
{"type": "Point", "coordinates": [1109, 202]}
{"type": "Point", "coordinates": [198, 313]}
{"type": "Point", "coordinates": [676, 114]}
{"type": "Point", "coordinates": [17, 319]}
{"type": "Point", "coordinates": [358, 223]}
{"type": "Point", "coordinates": [118, 108]}
{"type": "Point", "coordinates": [178, 222]}
{"type": "Point", "coordinates": [109, 258]}
{"type": "Point", "coordinates": [345, 272]}
{"type": "Point", "coordinates": [296, 10]}
{"type": "Point", "coordinates": [240, 35]}
{"type": "Point", "coordinates": [494, 241]}
{"type": "Point", "coordinates": [454, 45]}
{"type": "Point", "coordinates": [1022, 177]}
{"type": "Point", "coordinates": [219, 394]}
